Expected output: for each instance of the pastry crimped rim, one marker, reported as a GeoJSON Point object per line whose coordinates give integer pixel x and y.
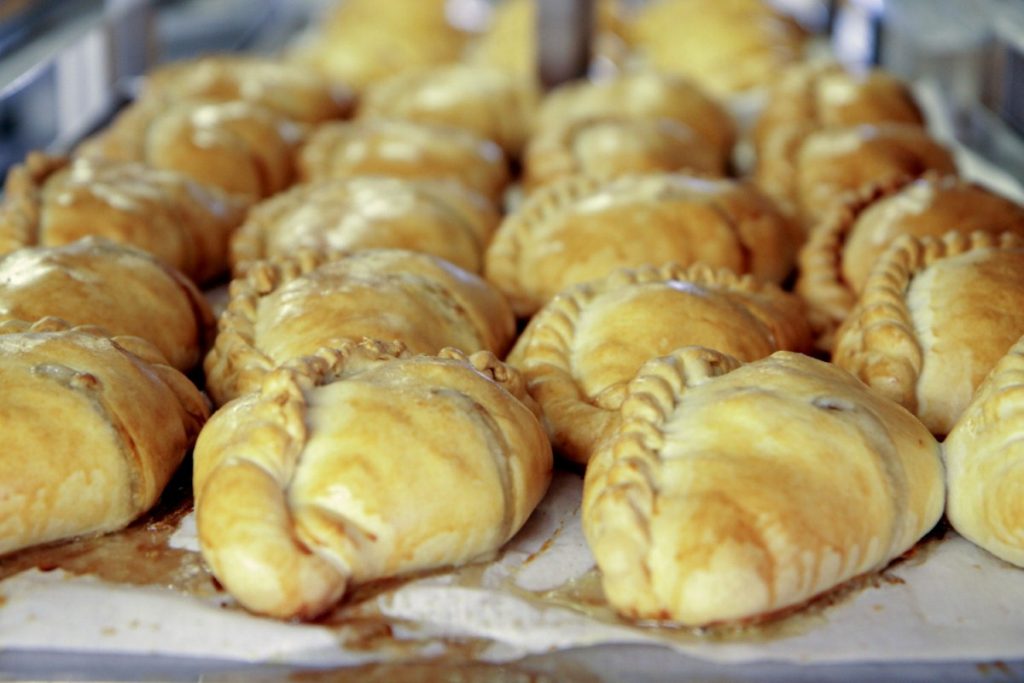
{"type": "Point", "coordinates": [545, 357]}
{"type": "Point", "coordinates": [502, 259]}
{"type": "Point", "coordinates": [21, 211]}
{"type": "Point", "coordinates": [877, 342]}
{"type": "Point", "coordinates": [631, 474]}
{"type": "Point", "coordinates": [819, 261]}
{"type": "Point", "coordinates": [280, 406]}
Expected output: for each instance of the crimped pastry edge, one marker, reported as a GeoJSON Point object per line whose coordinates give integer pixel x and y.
{"type": "Point", "coordinates": [21, 210]}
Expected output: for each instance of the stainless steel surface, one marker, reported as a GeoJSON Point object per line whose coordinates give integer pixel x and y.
{"type": "Point", "coordinates": [565, 30]}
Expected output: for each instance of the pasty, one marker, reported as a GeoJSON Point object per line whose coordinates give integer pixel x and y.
{"type": "Point", "coordinates": [831, 164]}
{"type": "Point", "coordinates": [581, 350]}
{"type": "Point", "coordinates": [437, 218]}
{"type": "Point", "coordinates": [581, 229]}
{"type": "Point", "coordinates": [609, 147]}
{"type": "Point", "coordinates": [842, 248]}
{"type": "Point", "coordinates": [239, 147]}
{"type": "Point", "coordinates": [288, 89]}
{"type": "Point", "coordinates": [362, 463]}
{"type": "Point", "coordinates": [730, 492]}
{"type": "Point", "coordinates": [50, 201]}
{"type": "Point", "coordinates": [291, 306]}
{"type": "Point", "coordinates": [934, 318]}
{"type": "Point", "coordinates": [642, 95]}
{"type": "Point", "coordinates": [400, 149]}
{"type": "Point", "coordinates": [486, 101]}
{"type": "Point", "coordinates": [117, 423]}
{"type": "Point", "coordinates": [726, 46]}
{"type": "Point", "coordinates": [123, 290]}
{"type": "Point", "coordinates": [985, 463]}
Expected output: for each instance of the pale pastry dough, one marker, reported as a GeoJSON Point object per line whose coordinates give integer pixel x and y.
{"type": "Point", "coordinates": [985, 463]}
{"type": "Point", "coordinates": [731, 492]}
{"type": "Point", "coordinates": [50, 201]}
{"type": "Point", "coordinates": [93, 429]}
{"type": "Point", "coordinates": [581, 350]}
{"type": "Point", "coordinates": [486, 101]}
{"type": "Point", "coordinates": [934, 318]}
{"type": "Point", "coordinates": [238, 146]}
{"type": "Point", "coordinates": [123, 290]}
{"type": "Point", "coordinates": [581, 229]}
{"type": "Point", "coordinates": [401, 149]}
{"type": "Point", "coordinates": [727, 46]}
{"type": "Point", "coordinates": [286, 88]}
{"type": "Point", "coordinates": [842, 248]}
{"type": "Point", "coordinates": [291, 306]}
{"type": "Point", "coordinates": [437, 218]}
{"type": "Point", "coordinates": [360, 464]}
{"type": "Point", "coordinates": [642, 95]}
{"type": "Point", "coordinates": [608, 147]}
{"type": "Point", "coordinates": [832, 164]}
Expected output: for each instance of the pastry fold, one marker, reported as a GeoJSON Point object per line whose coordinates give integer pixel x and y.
{"type": "Point", "coordinates": [581, 350]}
{"type": "Point", "coordinates": [117, 423]}
{"type": "Point", "coordinates": [985, 463]}
{"type": "Point", "coordinates": [362, 463]}
{"type": "Point", "coordinates": [934, 318]}
{"type": "Point", "coordinates": [123, 290]}
{"type": "Point", "coordinates": [291, 306]}
{"type": "Point", "coordinates": [730, 491]}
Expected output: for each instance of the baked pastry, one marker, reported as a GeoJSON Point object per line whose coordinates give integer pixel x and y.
{"type": "Point", "coordinates": [336, 473]}
{"type": "Point", "coordinates": [726, 46]}
{"type": "Point", "coordinates": [486, 101]}
{"type": "Point", "coordinates": [288, 89]}
{"type": "Point", "coordinates": [581, 229]}
{"type": "Point", "coordinates": [240, 147]}
{"type": "Point", "coordinates": [401, 149]}
{"type": "Point", "coordinates": [123, 290]}
{"type": "Point", "coordinates": [842, 248]}
{"type": "Point", "coordinates": [581, 350]}
{"type": "Point", "coordinates": [642, 95]}
{"type": "Point", "coordinates": [50, 201]}
{"type": "Point", "coordinates": [291, 306]}
{"type": "Point", "coordinates": [608, 147]}
{"type": "Point", "coordinates": [731, 492]}
{"type": "Point", "coordinates": [117, 423]}
{"type": "Point", "coordinates": [437, 218]}
{"type": "Point", "coordinates": [934, 318]}
{"type": "Point", "coordinates": [985, 463]}
{"type": "Point", "coordinates": [830, 164]}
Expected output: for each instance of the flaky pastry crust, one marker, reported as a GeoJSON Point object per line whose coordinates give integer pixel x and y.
{"type": "Point", "coordinates": [117, 423]}
{"type": "Point", "coordinates": [700, 509]}
{"type": "Point", "coordinates": [338, 471]}
{"type": "Point", "coordinates": [934, 318]}
{"type": "Point", "coordinates": [580, 351]}
{"type": "Point", "coordinates": [290, 307]}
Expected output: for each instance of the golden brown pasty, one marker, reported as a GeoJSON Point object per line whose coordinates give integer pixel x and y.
{"type": "Point", "coordinates": [291, 306]}
{"type": "Point", "coordinates": [934, 318]}
{"type": "Point", "coordinates": [842, 248]}
{"type": "Point", "coordinates": [117, 423]}
{"type": "Point", "coordinates": [437, 218]}
{"type": "Point", "coordinates": [291, 90]}
{"type": "Point", "coordinates": [338, 471]}
{"type": "Point", "coordinates": [401, 149]}
{"type": "Point", "coordinates": [985, 463]}
{"type": "Point", "coordinates": [238, 146]}
{"type": "Point", "coordinates": [581, 229]}
{"type": "Point", "coordinates": [581, 350]}
{"type": "Point", "coordinates": [121, 289]}
{"type": "Point", "coordinates": [642, 95]}
{"type": "Point", "coordinates": [730, 492]}
{"type": "Point", "coordinates": [50, 201]}
{"type": "Point", "coordinates": [831, 164]}
{"type": "Point", "coordinates": [727, 46]}
{"type": "Point", "coordinates": [486, 101]}
{"type": "Point", "coordinates": [608, 147]}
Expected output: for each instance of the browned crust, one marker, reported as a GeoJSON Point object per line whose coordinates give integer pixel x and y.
{"type": "Point", "coordinates": [21, 211]}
